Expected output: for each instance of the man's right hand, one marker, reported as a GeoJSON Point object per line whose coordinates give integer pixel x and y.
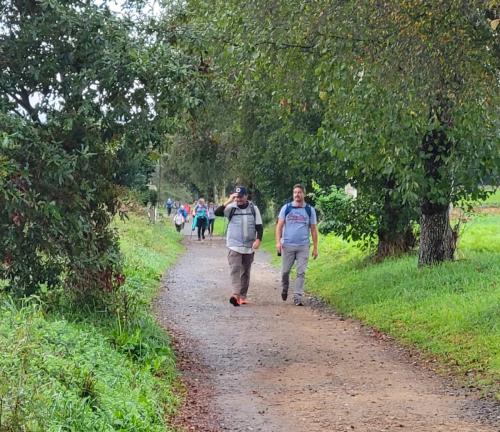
{"type": "Point", "coordinates": [278, 247]}
{"type": "Point", "coordinates": [231, 199]}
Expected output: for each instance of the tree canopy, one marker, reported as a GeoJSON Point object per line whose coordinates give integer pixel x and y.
{"type": "Point", "coordinates": [401, 99]}
{"type": "Point", "coordinates": [83, 90]}
{"type": "Point", "coordinates": [398, 98]}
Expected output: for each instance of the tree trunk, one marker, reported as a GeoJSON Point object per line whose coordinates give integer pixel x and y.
{"type": "Point", "coordinates": [437, 239]}
{"type": "Point", "coordinates": [222, 195]}
{"type": "Point", "coordinates": [395, 234]}
{"type": "Point", "coordinates": [392, 243]}
{"type": "Point", "coordinates": [216, 195]}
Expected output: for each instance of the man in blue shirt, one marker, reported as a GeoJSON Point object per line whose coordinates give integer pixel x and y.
{"type": "Point", "coordinates": [295, 221]}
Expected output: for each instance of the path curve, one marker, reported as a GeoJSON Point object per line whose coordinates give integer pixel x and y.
{"type": "Point", "coordinates": [273, 367]}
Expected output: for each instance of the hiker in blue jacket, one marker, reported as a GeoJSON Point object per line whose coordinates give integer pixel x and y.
{"type": "Point", "coordinates": [295, 221]}
{"type": "Point", "coordinates": [168, 205]}
{"type": "Point", "coordinates": [244, 234]}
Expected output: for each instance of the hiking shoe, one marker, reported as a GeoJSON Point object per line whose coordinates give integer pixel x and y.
{"type": "Point", "coordinates": [234, 301]}
{"type": "Point", "coordinates": [297, 302]}
{"type": "Point", "coordinates": [284, 295]}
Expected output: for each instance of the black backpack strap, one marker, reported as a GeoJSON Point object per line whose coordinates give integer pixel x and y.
{"type": "Point", "coordinates": [252, 209]}
{"type": "Point", "coordinates": [231, 214]}
{"type": "Point", "coordinates": [233, 211]}
{"type": "Point", "coordinates": [308, 209]}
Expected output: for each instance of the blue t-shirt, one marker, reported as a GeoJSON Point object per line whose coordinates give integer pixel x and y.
{"type": "Point", "coordinates": [297, 225]}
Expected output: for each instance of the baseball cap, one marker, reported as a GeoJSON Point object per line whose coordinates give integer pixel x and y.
{"type": "Point", "coordinates": [241, 190]}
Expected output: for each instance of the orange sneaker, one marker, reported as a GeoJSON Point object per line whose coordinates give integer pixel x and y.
{"type": "Point", "coordinates": [234, 300]}
{"type": "Point", "coordinates": [243, 301]}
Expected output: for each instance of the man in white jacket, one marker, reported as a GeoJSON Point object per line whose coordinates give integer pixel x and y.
{"type": "Point", "coordinates": [244, 235]}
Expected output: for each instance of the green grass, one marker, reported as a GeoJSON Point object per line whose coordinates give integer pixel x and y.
{"type": "Point", "coordinates": [220, 226]}
{"type": "Point", "coordinates": [89, 369]}
{"type": "Point", "coordinates": [451, 311]}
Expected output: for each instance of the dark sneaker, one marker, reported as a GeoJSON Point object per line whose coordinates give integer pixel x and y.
{"type": "Point", "coordinates": [284, 295]}
{"type": "Point", "coordinates": [297, 302]}
{"type": "Point", "coordinates": [234, 301]}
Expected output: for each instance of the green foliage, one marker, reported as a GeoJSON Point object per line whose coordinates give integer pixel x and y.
{"type": "Point", "coordinates": [493, 198]}
{"type": "Point", "coordinates": [98, 370]}
{"type": "Point", "coordinates": [84, 95]}
{"type": "Point", "coordinates": [152, 196]}
{"type": "Point", "coordinates": [134, 168]}
{"type": "Point", "coordinates": [58, 374]}
{"type": "Point", "coordinates": [54, 214]}
{"type": "Point", "coordinates": [349, 218]}
{"type": "Point", "coordinates": [400, 99]}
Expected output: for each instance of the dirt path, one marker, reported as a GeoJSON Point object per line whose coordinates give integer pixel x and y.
{"type": "Point", "coordinates": [271, 366]}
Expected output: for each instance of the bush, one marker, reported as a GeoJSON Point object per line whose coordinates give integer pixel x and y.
{"type": "Point", "coordinates": [55, 212]}
{"type": "Point", "coordinates": [60, 375]}
{"type": "Point", "coordinates": [349, 218]}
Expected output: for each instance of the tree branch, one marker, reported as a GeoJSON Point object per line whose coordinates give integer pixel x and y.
{"type": "Point", "coordinates": [23, 102]}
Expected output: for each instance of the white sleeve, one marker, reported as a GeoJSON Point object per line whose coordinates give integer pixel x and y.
{"type": "Point", "coordinates": [258, 218]}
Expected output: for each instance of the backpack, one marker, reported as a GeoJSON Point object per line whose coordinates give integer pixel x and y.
{"type": "Point", "coordinates": [233, 211]}
{"type": "Point", "coordinates": [201, 211]}
{"type": "Point", "coordinates": [178, 219]}
{"type": "Point", "coordinates": [289, 207]}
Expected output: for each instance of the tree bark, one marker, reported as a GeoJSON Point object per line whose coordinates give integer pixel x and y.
{"type": "Point", "coordinates": [392, 243]}
{"type": "Point", "coordinates": [216, 195]}
{"type": "Point", "coordinates": [395, 234]}
{"type": "Point", "coordinates": [437, 239]}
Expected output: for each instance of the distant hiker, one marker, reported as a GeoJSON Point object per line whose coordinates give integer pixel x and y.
{"type": "Point", "coordinates": [295, 221]}
{"type": "Point", "coordinates": [183, 212]}
{"type": "Point", "coordinates": [179, 221]}
{"type": "Point", "coordinates": [168, 204]}
{"type": "Point", "coordinates": [211, 218]}
{"type": "Point", "coordinates": [200, 213]}
{"type": "Point", "coordinates": [188, 211]}
{"type": "Point", "coordinates": [244, 235]}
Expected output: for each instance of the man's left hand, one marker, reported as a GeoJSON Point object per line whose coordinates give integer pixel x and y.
{"type": "Point", "coordinates": [256, 244]}
{"type": "Point", "coordinates": [315, 253]}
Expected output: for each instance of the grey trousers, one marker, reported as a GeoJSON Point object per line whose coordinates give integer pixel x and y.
{"type": "Point", "coordinates": [240, 265]}
{"type": "Point", "coordinates": [290, 254]}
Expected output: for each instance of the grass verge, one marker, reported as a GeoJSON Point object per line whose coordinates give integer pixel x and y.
{"type": "Point", "coordinates": [450, 311]}
{"type": "Point", "coordinates": [83, 370]}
